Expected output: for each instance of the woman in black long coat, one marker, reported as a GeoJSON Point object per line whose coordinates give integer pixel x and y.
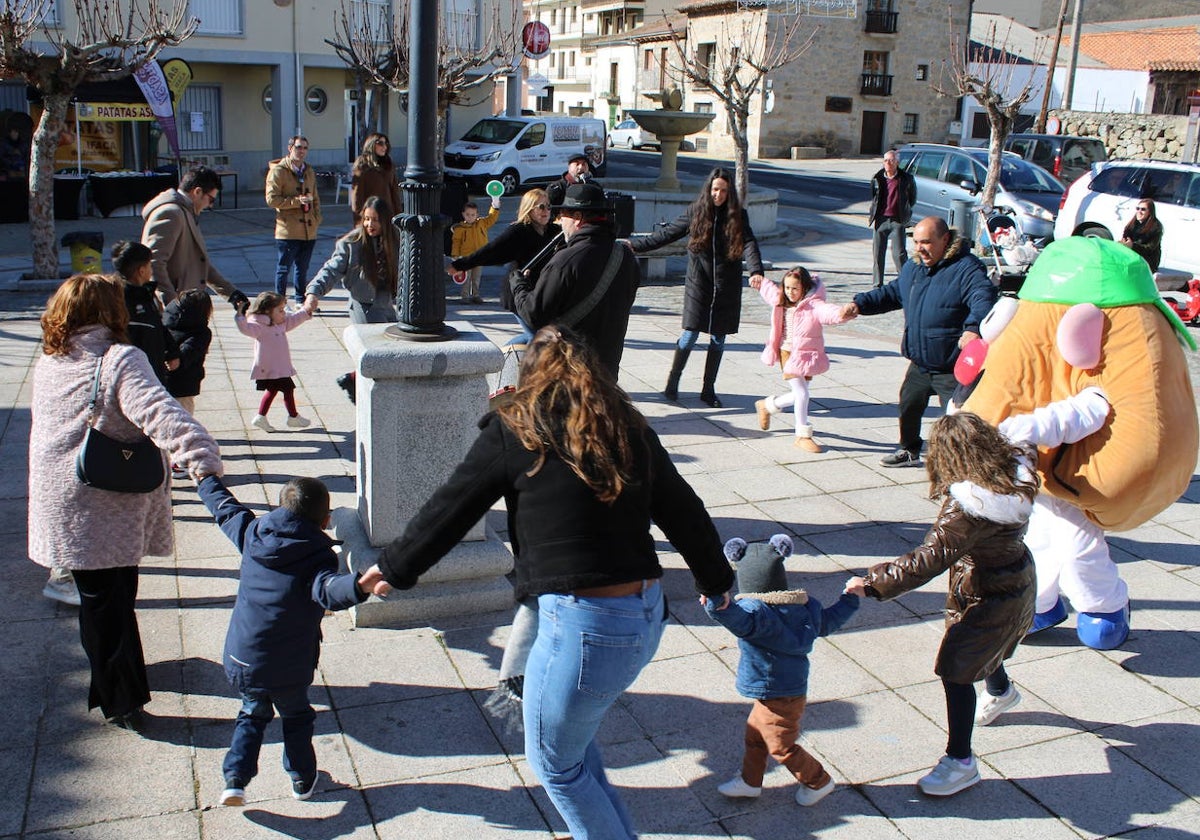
{"type": "Point", "coordinates": [719, 242]}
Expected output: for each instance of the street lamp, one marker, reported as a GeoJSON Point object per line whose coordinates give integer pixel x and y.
{"type": "Point", "coordinates": [422, 299]}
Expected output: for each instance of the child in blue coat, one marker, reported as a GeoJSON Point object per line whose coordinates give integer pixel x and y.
{"type": "Point", "coordinates": [776, 628]}
{"type": "Point", "coordinates": [288, 579]}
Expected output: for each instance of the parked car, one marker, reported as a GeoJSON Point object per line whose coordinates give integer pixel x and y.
{"type": "Point", "coordinates": [1064, 156]}
{"type": "Point", "coordinates": [628, 134]}
{"type": "Point", "coordinates": [944, 174]}
{"type": "Point", "coordinates": [1102, 202]}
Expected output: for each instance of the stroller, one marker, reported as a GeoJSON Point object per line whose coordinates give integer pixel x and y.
{"type": "Point", "coordinates": [1012, 251]}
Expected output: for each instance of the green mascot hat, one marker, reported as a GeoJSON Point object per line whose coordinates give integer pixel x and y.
{"type": "Point", "coordinates": [1086, 269]}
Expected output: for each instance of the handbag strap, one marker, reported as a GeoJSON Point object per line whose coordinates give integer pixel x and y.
{"type": "Point", "coordinates": [580, 310]}
{"type": "Point", "coordinates": [91, 409]}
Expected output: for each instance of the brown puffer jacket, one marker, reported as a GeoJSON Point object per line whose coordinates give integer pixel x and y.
{"type": "Point", "coordinates": [990, 603]}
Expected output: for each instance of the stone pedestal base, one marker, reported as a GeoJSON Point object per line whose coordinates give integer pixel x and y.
{"type": "Point", "coordinates": [417, 412]}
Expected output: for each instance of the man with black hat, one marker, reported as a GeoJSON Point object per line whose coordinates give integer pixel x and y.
{"type": "Point", "coordinates": [590, 283]}
{"type": "Point", "coordinates": [579, 171]}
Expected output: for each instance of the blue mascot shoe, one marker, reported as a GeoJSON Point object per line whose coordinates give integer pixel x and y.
{"type": "Point", "coordinates": [1052, 617]}
{"type": "Point", "coordinates": [1103, 631]}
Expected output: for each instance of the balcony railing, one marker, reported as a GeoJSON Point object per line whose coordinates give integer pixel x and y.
{"type": "Point", "coordinates": [882, 21]}
{"type": "Point", "coordinates": [876, 84]}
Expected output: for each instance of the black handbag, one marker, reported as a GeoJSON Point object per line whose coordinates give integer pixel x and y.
{"type": "Point", "coordinates": [108, 464]}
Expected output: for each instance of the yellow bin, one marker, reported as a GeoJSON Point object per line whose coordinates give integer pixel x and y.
{"type": "Point", "coordinates": [85, 251]}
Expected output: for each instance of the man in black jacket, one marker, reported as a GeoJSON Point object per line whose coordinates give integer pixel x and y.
{"type": "Point", "coordinates": [893, 194]}
{"type": "Point", "coordinates": [579, 171]}
{"type": "Point", "coordinates": [571, 290]}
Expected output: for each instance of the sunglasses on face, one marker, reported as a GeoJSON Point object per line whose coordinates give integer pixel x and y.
{"type": "Point", "coordinates": [541, 207]}
{"type": "Point", "coordinates": [1143, 209]}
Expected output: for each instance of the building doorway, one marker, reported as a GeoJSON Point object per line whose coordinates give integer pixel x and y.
{"type": "Point", "coordinates": [871, 141]}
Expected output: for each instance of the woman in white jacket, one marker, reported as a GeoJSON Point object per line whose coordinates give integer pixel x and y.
{"type": "Point", "coordinates": [101, 535]}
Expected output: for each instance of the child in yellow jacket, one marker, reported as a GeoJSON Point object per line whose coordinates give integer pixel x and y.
{"type": "Point", "coordinates": [468, 236]}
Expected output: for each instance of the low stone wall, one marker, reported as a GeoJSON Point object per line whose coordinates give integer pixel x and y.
{"type": "Point", "coordinates": [1129, 136]}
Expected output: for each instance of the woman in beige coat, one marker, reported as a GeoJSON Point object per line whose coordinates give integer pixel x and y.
{"type": "Point", "coordinates": [101, 535]}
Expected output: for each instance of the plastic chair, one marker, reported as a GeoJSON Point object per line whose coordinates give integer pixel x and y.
{"type": "Point", "coordinates": [343, 183]}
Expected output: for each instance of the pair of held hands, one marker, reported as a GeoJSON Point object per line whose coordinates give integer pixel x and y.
{"type": "Point", "coordinates": [371, 582]}
{"type": "Point", "coordinates": [854, 586]}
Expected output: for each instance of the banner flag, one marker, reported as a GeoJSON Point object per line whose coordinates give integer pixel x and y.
{"type": "Point", "coordinates": [153, 83]}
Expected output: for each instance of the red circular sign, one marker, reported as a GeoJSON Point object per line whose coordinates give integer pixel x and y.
{"type": "Point", "coordinates": [535, 38]}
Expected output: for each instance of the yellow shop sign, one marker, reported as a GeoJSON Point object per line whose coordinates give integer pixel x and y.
{"type": "Point", "coordinates": [115, 111]}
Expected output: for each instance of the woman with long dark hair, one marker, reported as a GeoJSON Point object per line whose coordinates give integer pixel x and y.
{"type": "Point", "coordinates": [720, 242]}
{"type": "Point", "coordinates": [374, 174]}
{"type": "Point", "coordinates": [366, 263]}
{"type": "Point", "coordinates": [584, 476]}
{"type": "Point", "coordinates": [1144, 233]}
{"type": "Point", "coordinates": [100, 535]}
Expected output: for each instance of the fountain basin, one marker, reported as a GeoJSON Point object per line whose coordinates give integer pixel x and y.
{"type": "Point", "coordinates": [671, 125]}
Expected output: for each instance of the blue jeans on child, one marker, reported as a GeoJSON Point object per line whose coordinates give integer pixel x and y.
{"type": "Point", "coordinates": [293, 252]}
{"type": "Point", "coordinates": [258, 707]}
{"type": "Point", "coordinates": [588, 650]}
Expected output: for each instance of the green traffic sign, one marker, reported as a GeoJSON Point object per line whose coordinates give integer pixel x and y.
{"type": "Point", "coordinates": [495, 189]}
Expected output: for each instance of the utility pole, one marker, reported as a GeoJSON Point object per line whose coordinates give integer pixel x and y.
{"type": "Point", "coordinates": [1040, 127]}
{"type": "Point", "coordinates": [1076, 25]}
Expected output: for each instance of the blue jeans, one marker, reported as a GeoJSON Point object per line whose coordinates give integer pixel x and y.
{"type": "Point", "coordinates": [587, 651]}
{"type": "Point", "coordinates": [687, 340]}
{"type": "Point", "coordinates": [293, 252]}
{"type": "Point", "coordinates": [258, 707]}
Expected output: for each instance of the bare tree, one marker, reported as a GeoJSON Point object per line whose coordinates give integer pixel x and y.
{"type": "Point", "coordinates": [472, 53]}
{"type": "Point", "coordinates": [999, 80]}
{"type": "Point", "coordinates": [112, 39]}
{"type": "Point", "coordinates": [753, 41]}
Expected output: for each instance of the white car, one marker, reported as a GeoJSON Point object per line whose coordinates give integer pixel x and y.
{"type": "Point", "coordinates": [1101, 203]}
{"type": "Point", "coordinates": [629, 135]}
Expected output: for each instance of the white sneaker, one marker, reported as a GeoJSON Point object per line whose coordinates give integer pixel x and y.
{"type": "Point", "coordinates": [993, 707]}
{"type": "Point", "coordinates": [807, 796]}
{"type": "Point", "coordinates": [233, 796]}
{"type": "Point", "coordinates": [261, 422]}
{"type": "Point", "coordinates": [949, 776]}
{"type": "Point", "coordinates": [298, 422]}
{"type": "Point", "coordinates": [735, 788]}
{"type": "Point", "coordinates": [62, 589]}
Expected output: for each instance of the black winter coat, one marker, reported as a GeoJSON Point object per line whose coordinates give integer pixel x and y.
{"type": "Point", "coordinates": [564, 538]}
{"type": "Point", "coordinates": [569, 277]}
{"type": "Point", "coordinates": [517, 244]}
{"type": "Point", "coordinates": [978, 536]}
{"type": "Point", "coordinates": [288, 579]}
{"type": "Point", "coordinates": [712, 293]}
{"type": "Point", "coordinates": [189, 329]}
{"type": "Point", "coordinates": [146, 330]}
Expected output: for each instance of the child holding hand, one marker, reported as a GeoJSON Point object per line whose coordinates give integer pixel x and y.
{"type": "Point", "coordinates": [268, 322]}
{"type": "Point", "coordinates": [987, 486]}
{"type": "Point", "coordinates": [797, 344]}
{"type": "Point", "coordinates": [467, 237]}
{"type": "Point", "coordinates": [776, 628]}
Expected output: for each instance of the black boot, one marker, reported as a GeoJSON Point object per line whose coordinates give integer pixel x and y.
{"type": "Point", "coordinates": [671, 392]}
{"type": "Point", "coordinates": [712, 363]}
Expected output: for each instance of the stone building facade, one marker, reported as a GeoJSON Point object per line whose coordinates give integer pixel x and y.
{"type": "Point", "coordinates": [868, 82]}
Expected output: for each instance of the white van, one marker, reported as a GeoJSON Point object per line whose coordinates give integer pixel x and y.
{"type": "Point", "coordinates": [524, 150]}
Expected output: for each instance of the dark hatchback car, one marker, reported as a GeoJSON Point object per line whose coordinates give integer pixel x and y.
{"type": "Point", "coordinates": [1064, 156]}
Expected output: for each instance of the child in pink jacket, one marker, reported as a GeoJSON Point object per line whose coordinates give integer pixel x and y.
{"type": "Point", "coordinates": [268, 324]}
{"type": "Point", "coordinates": [797, 344]}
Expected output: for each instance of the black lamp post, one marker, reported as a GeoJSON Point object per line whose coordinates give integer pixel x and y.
{"type": "Point", "coordinates": [422, 299]}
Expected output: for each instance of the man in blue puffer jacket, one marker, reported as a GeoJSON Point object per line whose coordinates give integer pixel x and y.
{"type": "Point", "coordinates": [289, 578]}
{"type": "Point", "coordinates": [945, 294]}
{"type": "Point", "coordinates": [776, 628]}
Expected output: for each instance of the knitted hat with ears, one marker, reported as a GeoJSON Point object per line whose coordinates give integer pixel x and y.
{"type": "Point", "coordinates": [760, 565]}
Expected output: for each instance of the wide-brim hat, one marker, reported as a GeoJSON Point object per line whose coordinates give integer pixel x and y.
{"type": "Point", "coordinates": [585, 197]}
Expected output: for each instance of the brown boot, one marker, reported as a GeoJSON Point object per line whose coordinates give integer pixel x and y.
{"type": "Point", "coordinates": [764, 414]}
{"type": "Point", "coordinates": [805, 442]}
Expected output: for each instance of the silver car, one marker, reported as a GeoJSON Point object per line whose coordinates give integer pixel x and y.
{"type": "Point", "coordinates": [944, 174]}
{"type": "Point", "coordinates": [628, 134]}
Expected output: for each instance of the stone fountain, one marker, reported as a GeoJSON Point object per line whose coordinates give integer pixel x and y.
{"type": "Point", "coordinates": [670, 125]}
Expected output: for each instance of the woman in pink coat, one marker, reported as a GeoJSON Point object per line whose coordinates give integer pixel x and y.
{"type": "Point", "coordinates": [797, 343]}
{"type": "Point", "coordinates": [101, 536]}
{"type": "Point", "coordinates": [268, 324]}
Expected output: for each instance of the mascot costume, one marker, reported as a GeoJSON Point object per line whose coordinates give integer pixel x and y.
{"type": "Point", "coordinates": [1086, 363]}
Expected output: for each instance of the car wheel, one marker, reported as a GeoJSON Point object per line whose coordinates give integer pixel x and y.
{"type": "Point", "coordinates": [1096, 232]}
{"type": "Point", "coordinates": [610, 142]}
{"type": "Point", "coordinates": [628, 142]}
{"type": "Point", "coordinates": [511, 179]}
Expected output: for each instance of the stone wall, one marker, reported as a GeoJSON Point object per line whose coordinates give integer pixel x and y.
{"type": "Point", "coordinates": [1129, 136]}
